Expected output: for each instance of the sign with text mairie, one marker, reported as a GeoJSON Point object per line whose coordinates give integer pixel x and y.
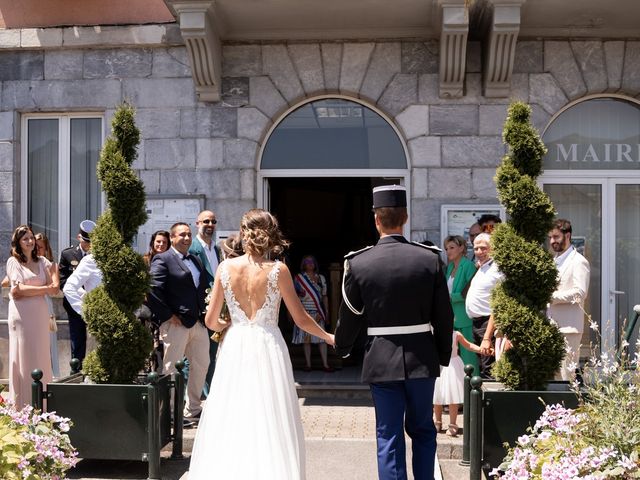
{"type": "Point", "coordinates": [598, 134]}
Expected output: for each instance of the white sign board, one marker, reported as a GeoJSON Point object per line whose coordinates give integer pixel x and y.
{"type": "Point", "coordinates": [456, 219]}
{"type": "Point", "coordinates": [164, 212]}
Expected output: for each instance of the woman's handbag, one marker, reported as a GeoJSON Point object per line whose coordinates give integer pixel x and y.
{"type": "Point", "coordinates": [53, 325]}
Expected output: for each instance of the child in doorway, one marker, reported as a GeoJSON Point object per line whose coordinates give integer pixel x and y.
{"type": "Point", "coordinates": [449, 389]}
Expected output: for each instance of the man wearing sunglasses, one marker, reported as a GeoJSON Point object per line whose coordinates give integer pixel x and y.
{"type": "Point", "coordinates": [204, 247]}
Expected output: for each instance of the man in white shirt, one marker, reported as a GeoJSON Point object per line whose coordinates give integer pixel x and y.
{"type": "Point", "coordinates": [84, 278]}
{"type": "Point", "coordinates": [204, 248]}
{"type": "Point", "coordinates": [567, 302]}
{"type": "Point", "coordinates": [478, 298]}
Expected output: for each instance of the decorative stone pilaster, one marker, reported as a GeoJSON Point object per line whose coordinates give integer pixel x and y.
{"type": "Point", "coordinates": [501, 47]}
{"type": "Point", "coordinates": [453, 47]}
{"type": "Point", "coordinates": [197, 25]}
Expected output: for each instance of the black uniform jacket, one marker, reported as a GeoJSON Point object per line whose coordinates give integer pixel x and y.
{"type": "Point", "coordinates": [173, 291]}
{"type": "Point", "coordinates": [69, 260]}
{"type": "Point", "coordinates": [397, 283]}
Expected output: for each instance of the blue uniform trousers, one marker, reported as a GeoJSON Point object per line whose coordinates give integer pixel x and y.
{"type": "Point", "coordinates": [404, 405]}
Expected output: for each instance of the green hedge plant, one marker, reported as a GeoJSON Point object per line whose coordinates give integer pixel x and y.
{"type": "Point", "coordinates": [519, 302]}
{"type": "Point", "coordinates": [123, 344]}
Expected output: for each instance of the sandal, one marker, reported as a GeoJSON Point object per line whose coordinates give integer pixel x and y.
{"type": "Point", "coordinates": [452, 431]}
{"type": "Point", "coordinates": [438, 425]}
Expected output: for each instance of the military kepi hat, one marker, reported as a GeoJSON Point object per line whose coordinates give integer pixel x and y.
{"type": "Point", "coordinates": [86, 227]}
{"type": "Point", "coordinates": [389, 196]}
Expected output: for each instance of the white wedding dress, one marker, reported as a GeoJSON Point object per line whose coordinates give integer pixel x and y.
{"type": "Point", "coordinates": [250, 427]}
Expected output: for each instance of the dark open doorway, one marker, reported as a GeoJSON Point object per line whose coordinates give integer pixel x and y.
{"type": "Point", "coordinates": [327, 218]}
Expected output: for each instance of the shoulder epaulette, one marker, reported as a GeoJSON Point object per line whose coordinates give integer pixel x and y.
{"type": "Point", "coordinates": [357, 252]}
{"type": "Point", "coordinates": [433, 248]}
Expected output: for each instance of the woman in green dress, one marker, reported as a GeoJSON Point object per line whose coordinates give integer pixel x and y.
{"type": "Point", "coordinates": [460, 271]}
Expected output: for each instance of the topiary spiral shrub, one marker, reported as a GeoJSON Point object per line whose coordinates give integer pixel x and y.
{"type": "Point", "coordinates": [123, 342]}
{"type": "Point", "coordinates": [519, 302]}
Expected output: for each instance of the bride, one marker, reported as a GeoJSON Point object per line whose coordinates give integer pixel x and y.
{"type": "Point", "coordinates": [251, 427]}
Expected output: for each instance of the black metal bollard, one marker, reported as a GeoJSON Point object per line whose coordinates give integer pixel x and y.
{"type": "Point", "coordinates": [468, 373]}
{"type": "Point", "coordinates": [154, 427]}
{"type": "Point", "coordinates": [75, 366]}
{"type": "Point", "coordinates": [36, 389]}
{"type": "Point", "coordinates": [178, 405]}
{"type": "Point", "coordinates": [475, 434]}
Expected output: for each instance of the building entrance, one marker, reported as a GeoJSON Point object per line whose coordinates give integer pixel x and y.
{"type": "Point", "coordinates": [326, 218]}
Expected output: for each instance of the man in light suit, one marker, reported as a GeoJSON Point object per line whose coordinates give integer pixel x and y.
{"type": "Point", "coordinates": [397, 291]}
{"type": "Point", "coordinates": [178, 285]}
{"type": "Point", "coordinates": [567, 302]}
{"type": "Point", "coordinates": [204, 248]}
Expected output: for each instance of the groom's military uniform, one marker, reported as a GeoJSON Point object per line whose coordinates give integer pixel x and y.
{"type": "Point", "coordinates": [397, 291]}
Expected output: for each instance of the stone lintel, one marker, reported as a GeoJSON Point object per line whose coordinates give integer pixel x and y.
{"type": "Point", "coordinates": [501, 47]}
{"type": "Point", "coordinates": [453, 48]}
{"type": "Point", "coordinates": [196, 18]}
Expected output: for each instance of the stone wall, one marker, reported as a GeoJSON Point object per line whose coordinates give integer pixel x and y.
{"type": "Point", "coordinates": [192, 147]}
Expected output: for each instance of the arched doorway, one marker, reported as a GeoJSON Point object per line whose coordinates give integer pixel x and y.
{"type": "Point", "coordinates": [592, 174]}
{"type": "Point", "coordinates": [317, 168]}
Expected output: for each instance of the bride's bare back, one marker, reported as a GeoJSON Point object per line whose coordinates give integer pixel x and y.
{"type": "Point", "coordinates": [248, 279]}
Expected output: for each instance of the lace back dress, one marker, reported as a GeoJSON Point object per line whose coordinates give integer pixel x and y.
{"type": "Point", "coordinates": [251, 426]}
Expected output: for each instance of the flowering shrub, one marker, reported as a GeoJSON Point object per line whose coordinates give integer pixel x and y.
{"type": "Point", "coordinates": [34, 445]}
{"type": "Point", "coordinates": [598, 440]}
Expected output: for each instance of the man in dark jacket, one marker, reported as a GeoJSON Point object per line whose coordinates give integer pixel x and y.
{"type": "Point", "coordinates": [398, 292]}
{"type": "Point", "coordinates": [177, 299]}
{"type": "Point", "coordinates": [69, 260]}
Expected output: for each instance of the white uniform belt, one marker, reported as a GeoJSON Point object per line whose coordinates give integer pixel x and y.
{"type": "Point", "coordinates": [401, 330]}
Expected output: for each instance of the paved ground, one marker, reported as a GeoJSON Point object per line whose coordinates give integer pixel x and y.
{"type": "Point", "coordinates": [340, 441]}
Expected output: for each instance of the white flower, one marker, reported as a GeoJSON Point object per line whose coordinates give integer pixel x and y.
{"type": "Point", "coordinates": [593, 325]}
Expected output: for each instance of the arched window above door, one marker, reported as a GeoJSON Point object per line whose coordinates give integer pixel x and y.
{"type": "Point", "coordinates": [333, 133]}
{"type": "Point", "coordinates": [596, 134]}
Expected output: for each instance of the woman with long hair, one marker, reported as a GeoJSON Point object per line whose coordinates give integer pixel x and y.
{"type": "Point", "coordinates": [159, 243]}
{"type": "Point", "coordinates": [44, 250]}
{"type": "Point", "coordinates": [252, 421]}
{"type": "Point", "coordinates": [32, 277]}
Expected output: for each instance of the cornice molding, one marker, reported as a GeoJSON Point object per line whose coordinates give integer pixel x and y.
{"type": "Point", "coordinates": [453, 47]}
{"type": "Point", "coordinates": [196, 19]}
{"type": "Point", "coordinates": [500, 47]}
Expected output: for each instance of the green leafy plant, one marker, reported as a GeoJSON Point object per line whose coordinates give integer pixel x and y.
{"type": "Point", "coordinates": [598, 440]}
{"type": "Point", "coordinates": [123, 342]}
{"type": "Point", "coordinates": [34, 445]}
{"type": "Point", "coordinates": [519, 302]}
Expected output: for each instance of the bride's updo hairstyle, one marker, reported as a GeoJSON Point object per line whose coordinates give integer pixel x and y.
{"type": "Point", "coordinates": [261, 235]}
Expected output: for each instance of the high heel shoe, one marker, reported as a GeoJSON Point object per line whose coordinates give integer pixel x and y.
{"type": "Point", "coordinates": [452, 431]}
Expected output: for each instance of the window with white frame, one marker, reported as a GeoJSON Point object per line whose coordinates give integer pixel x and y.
{"type": "Point", "coordinates": [60, 187]}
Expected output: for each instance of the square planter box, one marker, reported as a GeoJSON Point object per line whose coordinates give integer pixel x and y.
{"type": "Point", "coordinates": [507, 415]}
{"type": "Point", "coordinates": [119, 422]}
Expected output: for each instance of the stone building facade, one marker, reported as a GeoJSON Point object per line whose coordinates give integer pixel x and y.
{"type": "Point", "coordinates": [452, 143]}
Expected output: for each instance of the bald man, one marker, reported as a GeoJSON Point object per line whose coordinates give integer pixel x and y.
{"type": "Point", "coordinates": [204, 247]}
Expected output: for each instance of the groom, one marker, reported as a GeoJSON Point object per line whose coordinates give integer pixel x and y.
{"type": "Point", "coordinates": [398, 292]}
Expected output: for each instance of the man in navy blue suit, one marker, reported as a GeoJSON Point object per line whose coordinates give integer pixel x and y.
{"type": "Point", "coordinates": [398, 292]}
{"type": "Point", "coordinates": [177, 299]}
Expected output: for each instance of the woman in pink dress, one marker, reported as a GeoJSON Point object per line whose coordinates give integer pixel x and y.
{"type": "Point", "coordinates": [31, 277]}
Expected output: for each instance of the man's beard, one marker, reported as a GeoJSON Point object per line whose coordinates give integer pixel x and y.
{"type": "Point", "coordinates": [206, 232]}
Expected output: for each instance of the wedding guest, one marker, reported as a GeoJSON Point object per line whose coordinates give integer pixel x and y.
{"type": "Point", "coordinates": [311, 288]}
{"type": "Point", "coordinates": [31, 278]}
{"type": "Point", "coordinates": [460, 271]}
{"type": "Point", "coordinates": [44, 250]}
{"type": "Point", "coordinates": [488, 222]}
{"type": "Point", "coordinates": [449, 389]}
{"type": "Point", "coordinates": [160, 242]}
